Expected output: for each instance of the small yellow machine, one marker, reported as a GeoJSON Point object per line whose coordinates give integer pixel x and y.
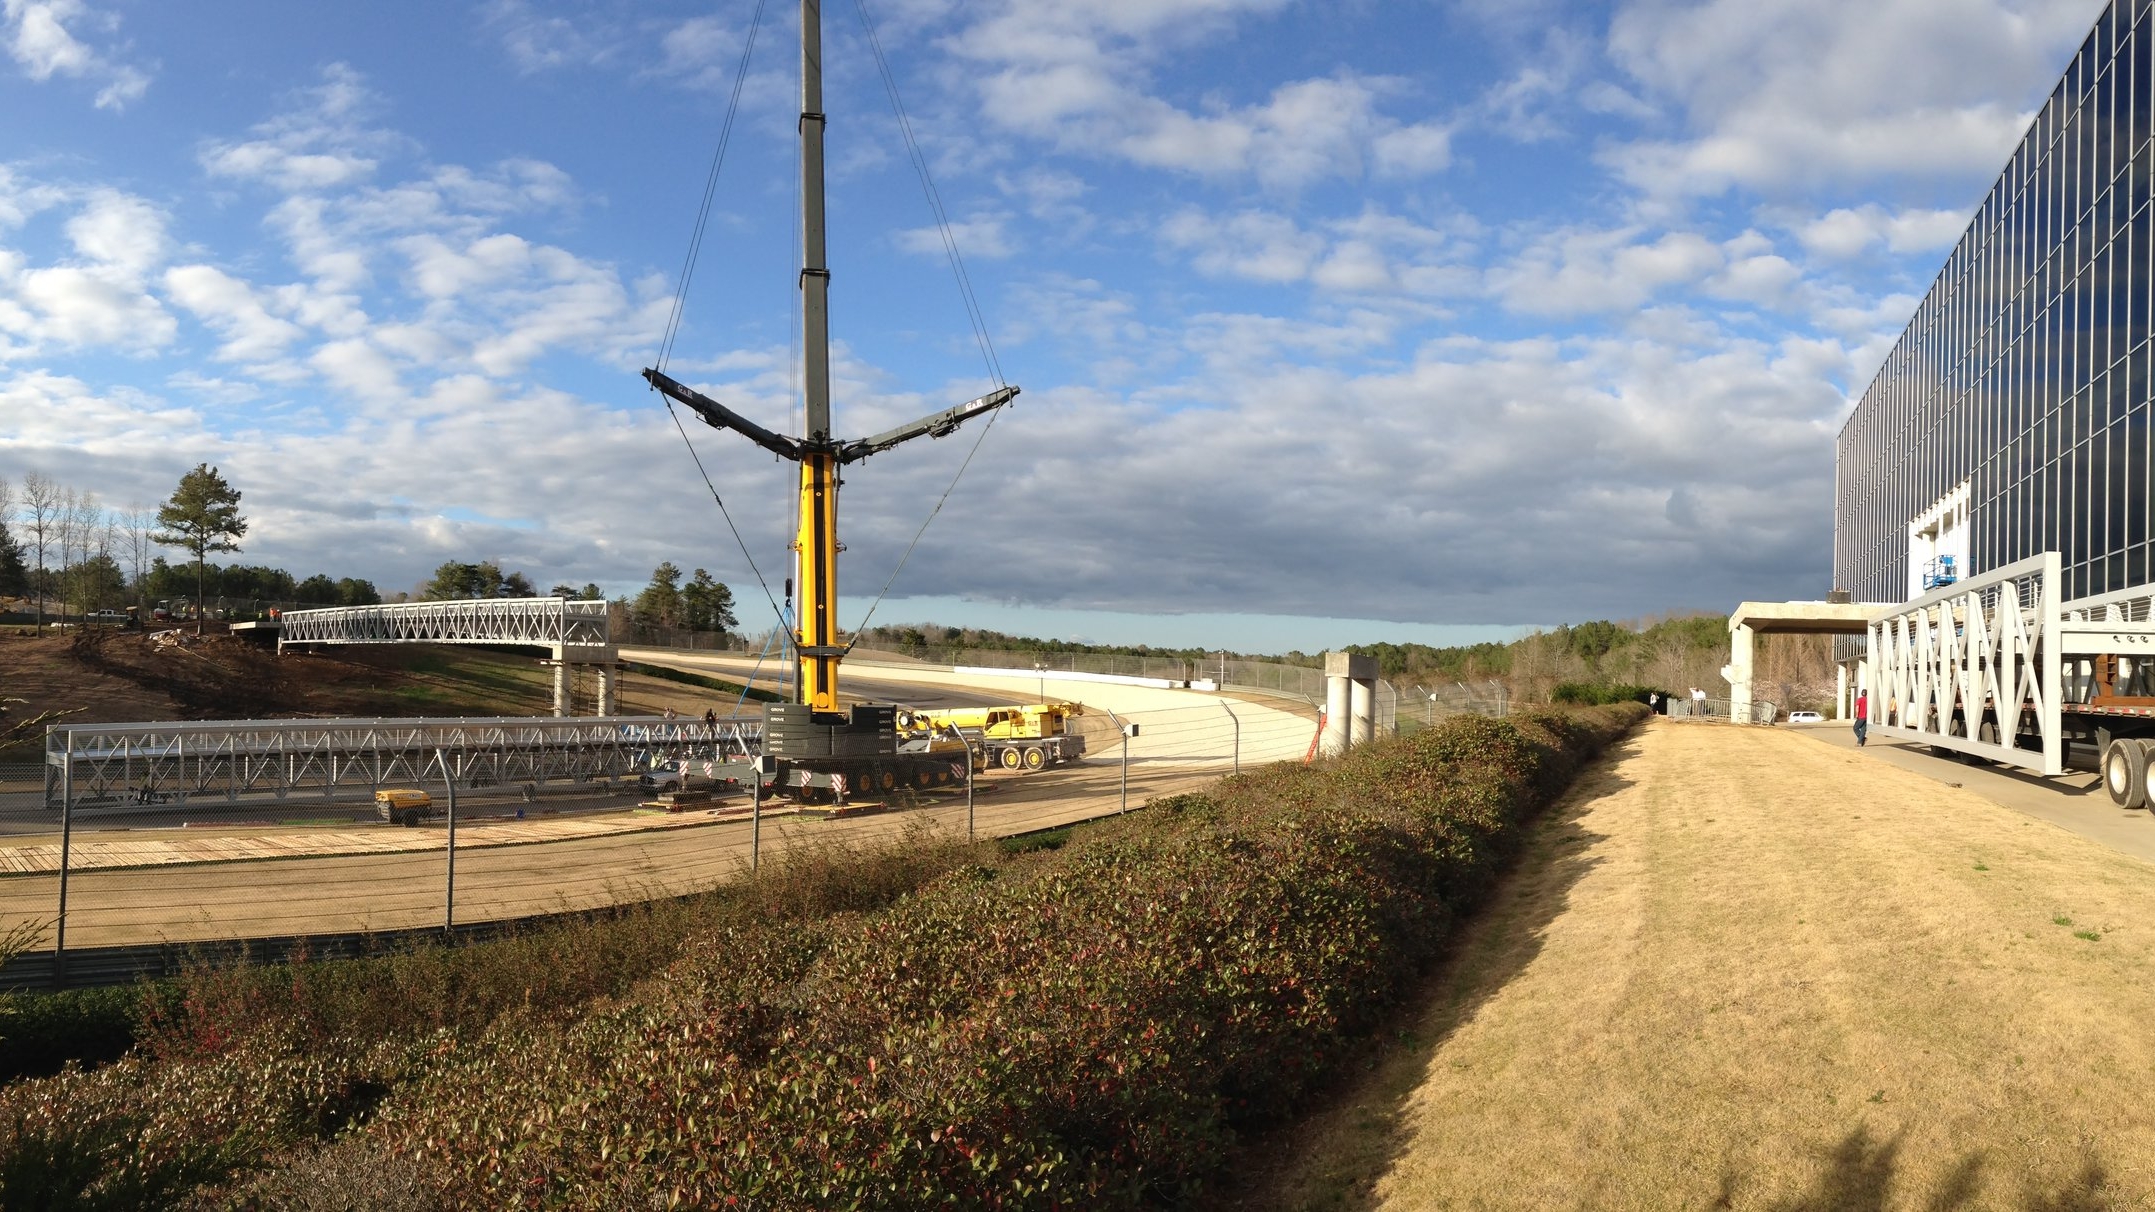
{"type": "Point", "coordinates": [405, 806]}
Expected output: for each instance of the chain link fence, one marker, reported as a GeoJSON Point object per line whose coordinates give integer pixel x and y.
{"type": "Point", "coordinates": [122, 873]}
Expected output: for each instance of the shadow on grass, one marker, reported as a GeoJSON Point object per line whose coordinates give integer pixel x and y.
{"type": "Point", "coordinates": [1332, 1157]}
{"type": "Point", "coordinates": [1859, 1171]}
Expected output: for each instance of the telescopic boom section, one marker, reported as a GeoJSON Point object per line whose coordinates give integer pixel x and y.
{"type": "Point", "coordinates": [815, 547]}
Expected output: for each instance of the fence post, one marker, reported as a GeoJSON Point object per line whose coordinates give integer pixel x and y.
{"type": "Point", "coordinates": [1128, 731]}
{"type": "Point", "coordinates": [67, 822]}
{"type": "Point", "coordinates": [755, 816]}
{"type": "Point", "coordinates": [969, 791]}
{"type": "Point", "coordinates": [1238, 735]}
{"type": "Point", "coordinates": [448, 780]}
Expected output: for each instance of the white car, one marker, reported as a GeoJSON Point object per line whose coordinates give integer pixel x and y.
{"type": "Point", "coordinates": [1805, 717]}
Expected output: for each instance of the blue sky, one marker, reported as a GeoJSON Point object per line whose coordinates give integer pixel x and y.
{"type": "Point", "coordinates": [1335, 322]}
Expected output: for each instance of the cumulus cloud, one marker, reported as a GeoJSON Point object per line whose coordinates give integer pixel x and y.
{"type": "Point", "coordinates": [1080, 76]}
{"type": "Point", "coordinates": [1782, 95]}
{"type": "Point", "coordinates": [42, 37]}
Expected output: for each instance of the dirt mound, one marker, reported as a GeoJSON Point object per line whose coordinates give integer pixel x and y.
{"type": "Point", "coordinates": [103, 677]}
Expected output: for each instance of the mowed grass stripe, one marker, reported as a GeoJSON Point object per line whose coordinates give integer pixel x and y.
{"type": "Point", "coordinates": [1740, 969]}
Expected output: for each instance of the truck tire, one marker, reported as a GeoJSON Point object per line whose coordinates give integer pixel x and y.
{"type": "Point", "coordinates": [1009, 759]}
{"type": "Point", "coordinates": [1035, 758]}
{"type": "Point", "coordinates": [2125, 777]}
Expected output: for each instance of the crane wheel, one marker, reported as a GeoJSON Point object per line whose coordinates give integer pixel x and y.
{"type": "Point", "coordinates": [886, 780]}
{"type": "Point", "coordinates": [1035, 758]}
{"type": "Point", "coordinates": [1009, 758]}
{"type": "Point", "coordinates": [923, 778]}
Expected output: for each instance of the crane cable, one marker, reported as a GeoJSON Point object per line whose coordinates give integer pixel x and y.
{"type": "Point", "coordinates": [935, 200]}
{"type": "Point", "coordinates": [965, 289]}
{"type": "Point", "coordinates": [710, 189]}
{"type": "Point", "coordinates": [680, 302]}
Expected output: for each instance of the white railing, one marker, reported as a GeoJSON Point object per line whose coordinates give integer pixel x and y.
{"type": "Point", "coordinates": [575, 629]}
{"type": "Point", "coordinates": [1975, 667]}
{"type": "Point", "coordinates": [121, 764]}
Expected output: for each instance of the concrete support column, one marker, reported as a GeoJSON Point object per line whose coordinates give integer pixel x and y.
{"type": "Point", "coordinates": [609, 703]}
{"type": "Point", "coordinates": [1350, 685]}
{"type": "Point", "coordinates": [561, 687]}
{"type": "Point", "coordinates": [1840, 691]}
{"type": "Point", "coordinates": [1738, 672]}
{"type": "Point", "coordinates": [1361, 711]}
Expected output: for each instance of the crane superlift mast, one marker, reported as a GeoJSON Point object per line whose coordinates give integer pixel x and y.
{"type": "Point", "coordinates": [810, 739]}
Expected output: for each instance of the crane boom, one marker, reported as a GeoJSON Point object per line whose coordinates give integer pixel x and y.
{"type": "Point", "coordinates": [815, 545]}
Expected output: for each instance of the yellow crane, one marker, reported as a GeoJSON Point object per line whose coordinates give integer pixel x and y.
{"type": "Point", "coordinates": [814, 737]}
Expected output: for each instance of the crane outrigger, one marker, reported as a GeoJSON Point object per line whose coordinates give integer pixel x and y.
{"type": "Point", "coordinates": [811, 733]}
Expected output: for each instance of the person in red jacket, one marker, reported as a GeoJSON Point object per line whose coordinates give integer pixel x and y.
{"type": "Point", "coordinates": [1863, 717]}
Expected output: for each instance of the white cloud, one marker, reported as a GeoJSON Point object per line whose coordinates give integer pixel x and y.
{"type": "Point", "coordinates": [232, 308]}
{"type": "Point", "coordinates": [1257, 246]}
{"type": "Point", "coordinates": [318, 145]}
{"type": "Point", "coordinates": [1852, 231]}
{"type": "Point", "coordinates": [1793, 94]}
{"type": "Point", "coordinates": [123, 232]}
{"type": "Point", "coordinates": [1079, 76]}
{"type": "Point", "coordinates": [540, 43]}
{"type": "Point", "coordinates": [41, 36]}
{"type": "Point", "coordinates": [1580, 271]}
{"type": "Point", "coordinates": [984, 236]}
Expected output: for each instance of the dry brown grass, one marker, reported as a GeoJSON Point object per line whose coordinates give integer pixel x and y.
{"type": "Point", "coordinates": [1742, 969]}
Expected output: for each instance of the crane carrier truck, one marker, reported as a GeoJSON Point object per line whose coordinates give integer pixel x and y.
{"type": "Point", "coordinates": [1030, 736]}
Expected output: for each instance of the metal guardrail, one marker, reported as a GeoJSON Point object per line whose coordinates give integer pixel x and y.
{"type": "Point", "coordinates": [1726, 711]}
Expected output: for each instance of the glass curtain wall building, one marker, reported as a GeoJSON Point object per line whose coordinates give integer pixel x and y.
{"type": "Point", "coordinates": [2012, 416]}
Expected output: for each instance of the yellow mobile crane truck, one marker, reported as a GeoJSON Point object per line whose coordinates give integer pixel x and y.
{"type": "Point", "coordinates": [1029, 736]}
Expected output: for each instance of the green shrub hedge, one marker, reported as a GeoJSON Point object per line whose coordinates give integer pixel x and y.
{"type": "Point", "coordinates": [1602, 694]}
{"type": "Point", "coordinates": [1083, 1027]}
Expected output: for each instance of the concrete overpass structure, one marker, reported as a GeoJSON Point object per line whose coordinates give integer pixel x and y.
{"type": "Point", "coordinates": [575, 633]}
{"type": "Point", "coordinates": [1752, 619]}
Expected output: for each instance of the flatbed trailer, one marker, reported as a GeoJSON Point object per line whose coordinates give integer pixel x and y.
{"type": "Point", "coordinates": [1997, 668]}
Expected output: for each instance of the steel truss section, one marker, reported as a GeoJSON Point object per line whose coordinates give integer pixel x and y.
{"type": "Point", "coordinates": [135, 764]}
{"type": "Point", "coordinates": [576, 630]}
{"type": "Point", "coordinates": [1976, 667]}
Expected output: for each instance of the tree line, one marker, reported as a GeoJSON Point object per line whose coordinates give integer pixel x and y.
{"type": "Point", "coordinates": [61, 544]}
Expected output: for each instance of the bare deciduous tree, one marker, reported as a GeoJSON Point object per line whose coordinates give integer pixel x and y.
{"type": "Point", "coordinates": [41, 501]}
{"type": "Point", "coordinates": [139, 524]}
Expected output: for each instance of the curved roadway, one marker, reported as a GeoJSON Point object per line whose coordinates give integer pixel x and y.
{"type": "Point", "coordinates": [1186, 739]}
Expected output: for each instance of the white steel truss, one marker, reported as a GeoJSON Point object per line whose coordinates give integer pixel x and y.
{"type": "Point", "coordinates": [352, 758]}
{"type": "Point", "coordinates": [578, 631]}
{"type": "Point", "coordinates": [1976, 667]}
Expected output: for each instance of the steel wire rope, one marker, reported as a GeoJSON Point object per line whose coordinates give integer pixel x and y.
{"type": "Point", "coordinates": [965, 291]}
{"type": "Point", "coordinates": [680, 299]}
{"type": "Point", "coordinates": [934, 196]}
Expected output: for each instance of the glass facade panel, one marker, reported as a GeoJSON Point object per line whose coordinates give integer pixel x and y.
{"type": "Point", "coordinates": [2024, 374]}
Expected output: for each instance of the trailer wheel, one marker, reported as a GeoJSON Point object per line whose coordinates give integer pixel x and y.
{"type": "Point", "coordinates": [2125, 773]}
{"type": "Point", "coordinates": [1035, 758]}
{"type": "Point", "coordinates": [1010, 758]}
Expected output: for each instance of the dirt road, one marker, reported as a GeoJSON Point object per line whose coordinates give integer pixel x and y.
{"type": "Point", "coordinates": [1739, 968]}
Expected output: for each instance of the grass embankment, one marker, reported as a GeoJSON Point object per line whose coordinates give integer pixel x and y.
{"type": "Point", "coordinates": [1745, 969]}
{"type": "Point", "coordinates": [1085, 1026]}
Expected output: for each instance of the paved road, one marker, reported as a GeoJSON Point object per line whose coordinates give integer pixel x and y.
{"type": "Point", "coordinates": [1186, 740]}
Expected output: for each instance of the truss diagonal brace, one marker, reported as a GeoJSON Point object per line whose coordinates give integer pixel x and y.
{"type": "Point", "coordinates": [938, 425]}
{"type": "Point", "coordinates": [718, 416]}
